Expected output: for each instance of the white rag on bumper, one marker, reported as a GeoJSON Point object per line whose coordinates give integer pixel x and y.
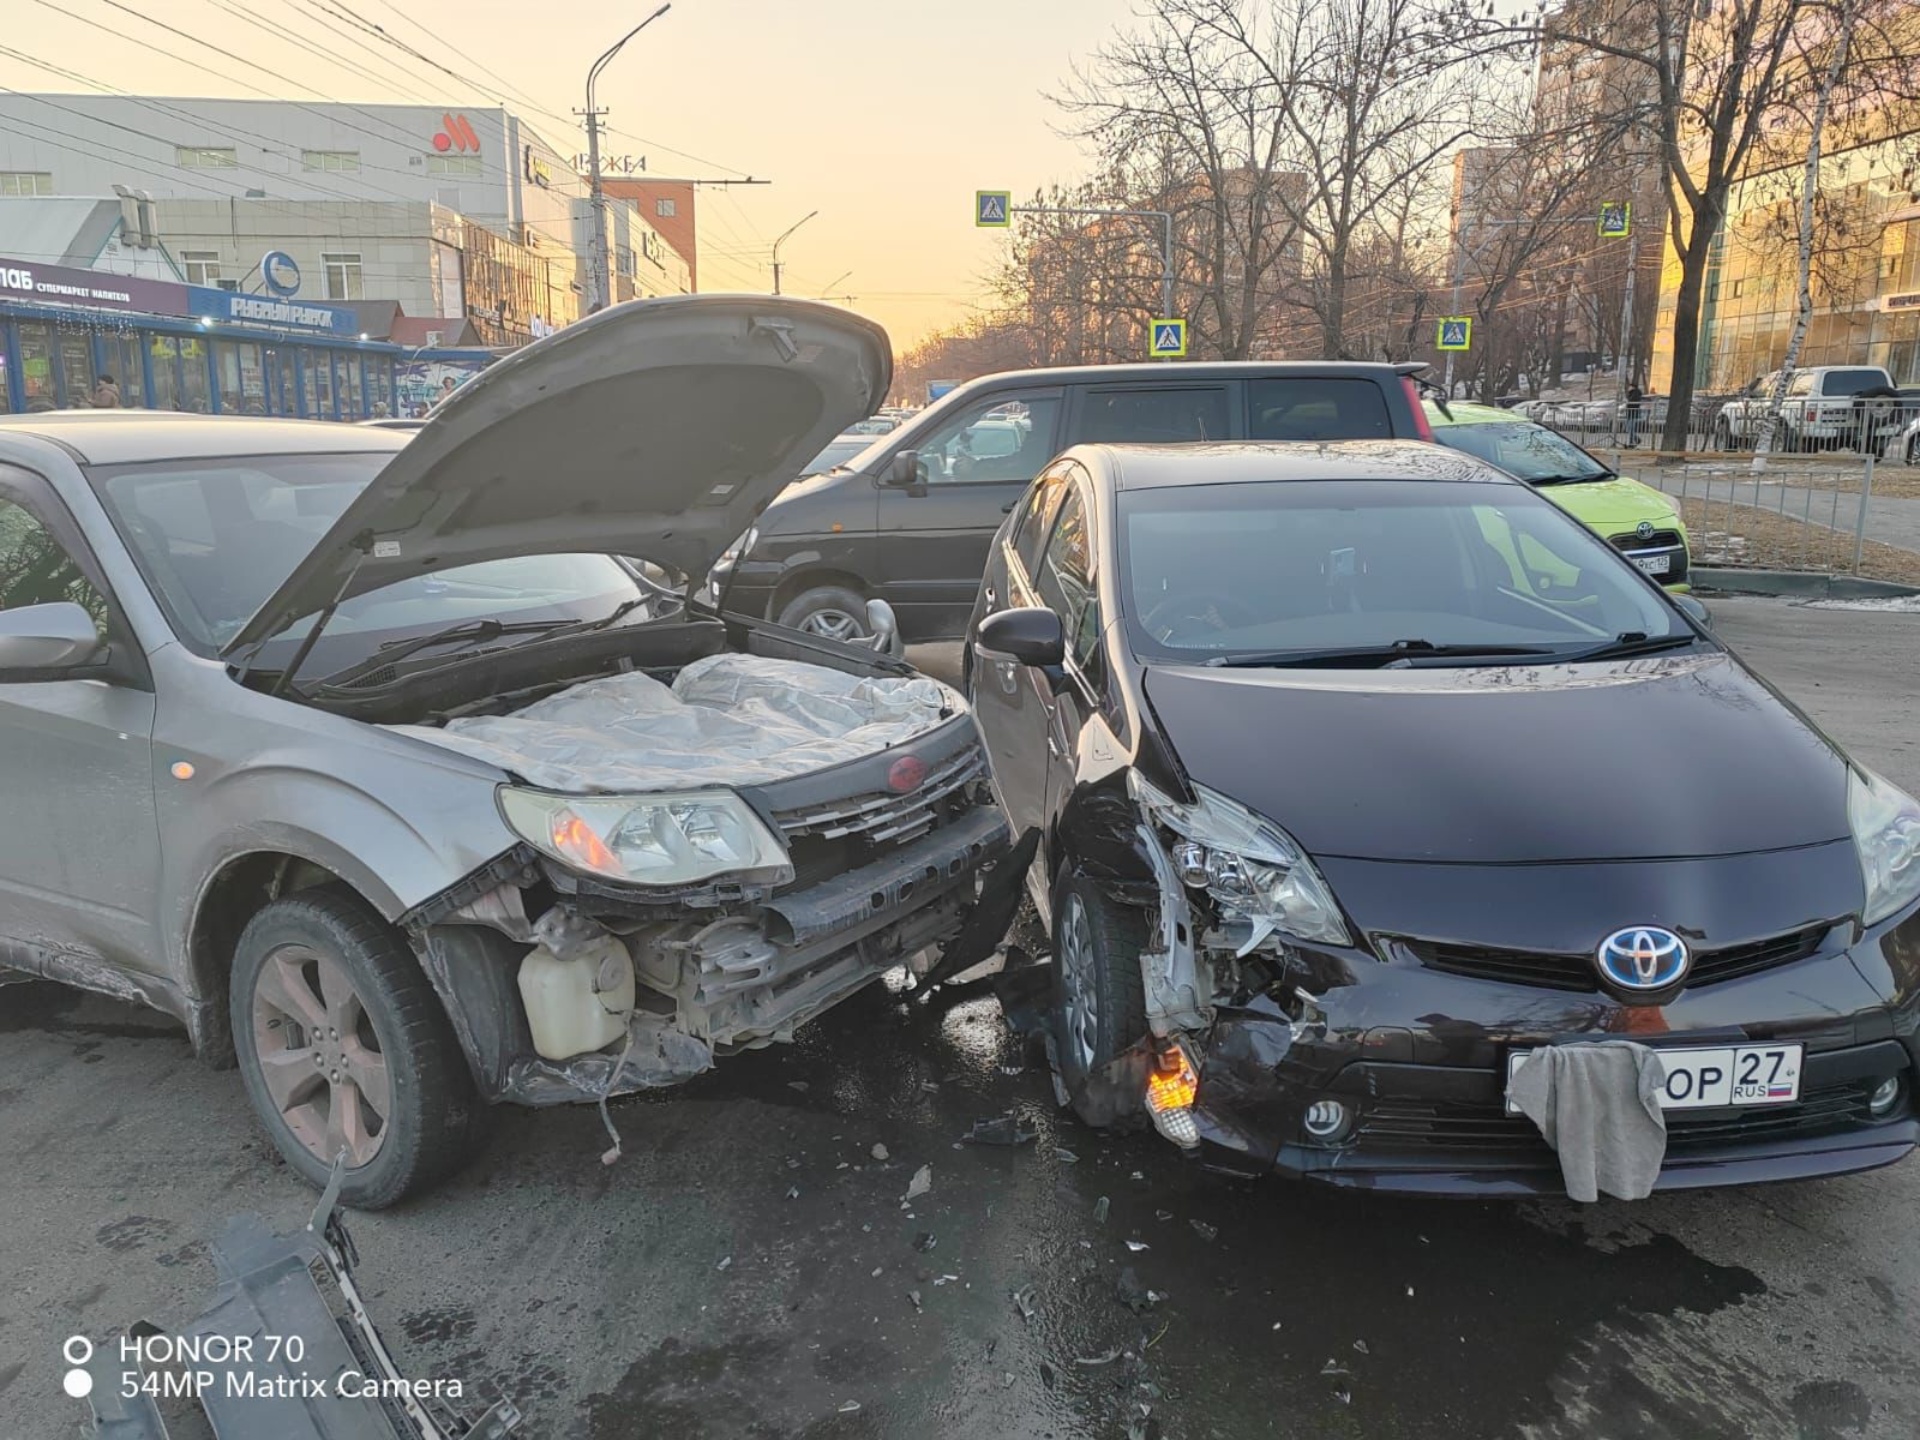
{"type": "Point", "coordinates": [1598, 1105]}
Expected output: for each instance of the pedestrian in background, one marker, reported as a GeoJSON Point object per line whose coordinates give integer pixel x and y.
{"type": "Point", "coordinates": [1634, 397]}
{"type": "Point", "coordinates": [106, 394]}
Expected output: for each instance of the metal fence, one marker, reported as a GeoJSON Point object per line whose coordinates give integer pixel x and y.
{"type": "Point", "coordinates": [1885, 428]}
{"type": "Point", "coordinates": [1801, 512]}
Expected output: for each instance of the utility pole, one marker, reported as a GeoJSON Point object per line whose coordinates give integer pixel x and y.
{"type": "Point", "coordinates": [777, 244]}
{"type": "Point", "coordinates": [1626, 315]}
{"type": "Point", "coordinates": [599, 280]}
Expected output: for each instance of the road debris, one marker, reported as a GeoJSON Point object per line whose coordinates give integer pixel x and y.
{"type": "Point", "coordinates": [793, 1192]}
{"type": "Point", "coordinates": [799, 1085]}
{"type": "Point", "coordinates": [1065, 1156]}
{"type": "Point", "coordinates": [914, 1296]}
{"type": "Point", "coordinates": [879, 1152]}
{"type": "Point", "coordinates": [724, 1264]}
{"type": "Point", "coordinates": [925, 1241]}
{"type": "Point", "coordinates": [1000, 1130]}
{"type": "Point", "coordinates": [1132, 1294]}
{"type": "Point", "coordinates": [1136, 1246]}
{"type": "Point", "coordinates": [1361, 1347]}
{"type": "Point", "coordinates": [921, 1183]}
{"type": "Point", "coordinates": [1206, 1232]}
{"type": "Point", "coordinates": [851, 1407]}
{"type": "Point", "coordinates": [1023, 1302]}
{"type": "Point", "coordinates": [1093, 1362]}
{"type": "Point", "coordinates": [1046, 1374]}
{"type": "Point", "coordinates": [1101, 1208]}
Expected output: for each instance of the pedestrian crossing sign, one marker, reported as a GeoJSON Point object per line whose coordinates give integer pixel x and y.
{"type": "Point", "coordinates": [1616, 220]}
{"type": "Point", "coordinates": [993, 209]}
{"type": "Point", "coordinates": [1168, 340]}
{"type": "Point", "coordinates": [1456, 333]}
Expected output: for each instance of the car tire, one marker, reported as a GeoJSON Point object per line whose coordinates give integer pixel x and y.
{"type": "Point", "coordinates": [1099, 1007]}
{"type": "Point", "coordinates": [389, 1083]}
{"type": "Point", "coordinates": [830, 611]}
{"type": "Point", "coordinates": [1912, 455]}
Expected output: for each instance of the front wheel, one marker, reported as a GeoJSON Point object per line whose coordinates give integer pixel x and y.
{"type": "Point", "coordinates": [830, 611]}
{"type": "Point", "coordinates": [345, 1050]}
{"type": "Point", "coordinates": [1099, 1007]}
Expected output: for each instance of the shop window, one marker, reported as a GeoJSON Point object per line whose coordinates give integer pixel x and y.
{"type": "Point", "coordinates": [243, 382]}
{"type": "Point", "coordinates": [352, 397]}
{"type": "Point", "coordinates": [123, 364]}
{"type": "Point", "coordinates": [76, 370]}
{"type": "Point", "coordinates": [320, 381]}
{"type": "Point", "coordinates": [163, 354]}
{"type": "Point", "coordinates": [335, 161]}
{"type": "Point", "coordinates": [194, 390]}
{"type": "Point", "coordinates": [205, 157]}
{"type": "Point", "coordinates": [26, 182]}
{"type": "Point", "coordinates": [202, 266]}
{"type": "Point", "coordinates": [6, 390]}
{"type": "Point", "coordinates": [454, 165]}
{"type": "Point", "coordinates": [36, 367]}
{"type": "Point", "coordinates": [344, 275]}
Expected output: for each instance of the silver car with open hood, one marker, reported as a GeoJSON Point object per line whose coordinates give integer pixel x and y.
{"type": "Point", "coordinates": [411, 775]}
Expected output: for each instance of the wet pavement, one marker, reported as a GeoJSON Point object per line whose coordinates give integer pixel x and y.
{"type": "Point", "coordinates": [750, 1268]}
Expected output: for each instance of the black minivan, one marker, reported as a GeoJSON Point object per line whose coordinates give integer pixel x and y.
{"type": "Point", "coordinates": [909, 519]}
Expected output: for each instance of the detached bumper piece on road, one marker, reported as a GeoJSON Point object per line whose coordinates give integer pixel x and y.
{"type": "Point", "coordinates": [274, 1356]}
{"type": "Point", "coordinates": [1376, 1086]}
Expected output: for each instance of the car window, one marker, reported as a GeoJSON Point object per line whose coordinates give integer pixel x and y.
{"type": "Point", "coordinates": [1802, 384]}
{"type": "Point", "coordinates": [1036, 516]}
{"type": "Point", "coordinates": [1064, 578]}
{"type": "Point", "coordinates": [215, 539]}
{"type": "Point", "coordinates": [1283, 408]}
{"type": "Point", "coordinates": [1159, 416]}
{"type": "Point", "coordinates": [998, 439]}
{"type": "Point", "coordinates": [1306, 565]}
{"type": "Point", "coordinates": [1851, 382]}
{"type": "Point", "coordinates": [35, 568]}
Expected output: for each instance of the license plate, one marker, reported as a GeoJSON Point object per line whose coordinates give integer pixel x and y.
{"type": "Point", "coordinates": [1654, 564]}
{"type": "Point", "coordinates": [1705, 1078]}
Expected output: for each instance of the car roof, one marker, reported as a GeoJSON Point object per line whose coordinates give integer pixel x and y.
{"type": "Point", "coordinates": [122, 437]}
{"type": "Point", "coordinates": [1468, 412]}
{"type": "Point", "coordinates": [1234, 462]}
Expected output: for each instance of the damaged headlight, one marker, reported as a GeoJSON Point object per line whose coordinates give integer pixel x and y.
{"type": "Point", "coordinates": [677, 839]}
{"type": "Point", "coordinates": [1249, 865]}
{"type": "Point", "coordinates": [1886, 831]}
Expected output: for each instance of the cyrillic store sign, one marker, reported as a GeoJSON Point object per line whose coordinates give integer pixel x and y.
{"type": "Point", "coordinates": [285, 314]}
{"type": "Point", "coordinates": [63, 285]}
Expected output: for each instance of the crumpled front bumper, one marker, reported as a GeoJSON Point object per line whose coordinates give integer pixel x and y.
{"type": "Point", "coordinates": [1420, 1057]}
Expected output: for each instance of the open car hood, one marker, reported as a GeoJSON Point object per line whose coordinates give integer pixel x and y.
{"type": "Point", "coordinates": [657, 428]}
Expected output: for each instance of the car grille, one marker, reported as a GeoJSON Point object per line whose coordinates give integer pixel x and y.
{"type": "Point", "coordinates": [1413, 1125]}
{"type": "Point", "coordinates": [1668, 541]}
{"type": "Point", "coordinates": [883, 817]}
{"type": "Point", "coordinates": [1547, 971]}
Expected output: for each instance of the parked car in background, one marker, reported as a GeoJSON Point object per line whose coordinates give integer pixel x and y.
{"type": "Point", "coordinates": [1826, 407]}
{"type": "Point", "coordinates": [1634, 518]}
{"type": "Point", "coordinates": [909, 520]}
{"type": "Point", "coordinates": [1336, 763]}
{"type": "Point", "coordinates": [838, 451]}
{"type": "Point", "coordinates": [374, 758]}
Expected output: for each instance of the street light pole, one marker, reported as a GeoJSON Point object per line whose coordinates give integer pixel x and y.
{"type": "Point", "coordinates": [599, 286]}
{"type": "Point", "coordinates": [782, 240]}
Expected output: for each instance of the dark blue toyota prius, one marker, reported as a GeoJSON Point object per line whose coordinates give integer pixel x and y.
{"type": "Point", "coordinates": [1354, 774]}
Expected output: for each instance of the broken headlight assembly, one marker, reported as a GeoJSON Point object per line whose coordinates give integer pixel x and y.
{"type": "Point", "coordinates": [1886, 830]}
{"type": "Point", "coordinates": [677, 839]}
{"type": "Point", "coordinates": [1250, 867]}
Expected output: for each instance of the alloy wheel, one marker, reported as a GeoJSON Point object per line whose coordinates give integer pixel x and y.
{"type": "Point", "coordinates": [319, 1055]}
{"type": "Point", "coordinates": [1078, 984]}
{"type": "Point", "coordinates": [834, 624]}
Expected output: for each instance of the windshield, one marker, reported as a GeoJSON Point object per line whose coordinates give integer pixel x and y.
{"type": "Point", "coordinates": [1218, 571]}
{"type": "Point", "coordinates": [215, 538]}
{"type": "Point", "coordinates": [1522, 449]}
{"type": "Point", "coordinates": [838, 452]}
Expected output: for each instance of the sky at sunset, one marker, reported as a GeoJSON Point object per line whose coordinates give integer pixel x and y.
{"type": "Point", "coordinates": [883, 115]}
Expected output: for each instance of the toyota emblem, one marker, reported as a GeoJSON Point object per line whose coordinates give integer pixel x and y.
{"type": "Point", "coordinates": [1643, 957]}
{"type": "Point", "coordinates": [1644, 529]}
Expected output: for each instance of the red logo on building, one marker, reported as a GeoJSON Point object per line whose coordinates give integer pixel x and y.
{"type": "Point", "coordinates": [458, 135]}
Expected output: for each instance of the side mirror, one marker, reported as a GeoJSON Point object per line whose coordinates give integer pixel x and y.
{"type": "Point", "coordinates": [47, 642]}
{"type": "Point", "coordinates": [1030, 635]}
{"type": "Point", "coordinates": [884, 626]}
{"type": "Point", "coordinates": [903, 470]}
{"type": "Point", "coordinates": [1695, 611]}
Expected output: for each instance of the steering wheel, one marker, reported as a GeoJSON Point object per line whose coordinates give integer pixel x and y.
{"type": "Point", "coordinates": [1197, 612]}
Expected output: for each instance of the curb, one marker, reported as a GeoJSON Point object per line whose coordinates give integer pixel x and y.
{"type": "Point", "coordinates": [1798, 584]}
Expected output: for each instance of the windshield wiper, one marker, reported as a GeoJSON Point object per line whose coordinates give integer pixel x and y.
{"type": "Point", "coordinates": [1632, 642]}
{"type": "Point", "coordinates": [466, 632]}
{"type": "Point", "coordinates": [1571, 479]}
{"type": "Point", "coordinates": [1361, 656]}
{"type": "Point", "coordinates": [587, 627]}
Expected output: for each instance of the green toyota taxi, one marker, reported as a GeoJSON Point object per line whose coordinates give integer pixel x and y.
{"type": "Point", "coordinates": [1635, 518]}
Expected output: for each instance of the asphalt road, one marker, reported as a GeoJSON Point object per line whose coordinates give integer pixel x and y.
{"type": "Point", "coordinates": [751, 1269]}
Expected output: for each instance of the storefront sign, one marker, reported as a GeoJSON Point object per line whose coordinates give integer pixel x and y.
{"type": "Point", "coordinates": [538, 171]}
{"type": "Point", "coordinates": [279, 272]}
{"type": "Point", "coordinates": [1908, 301]}
{"type": "Point", "coordinates": [62, 285]}
{"type": "Point", "coordinates": [216, 305]}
